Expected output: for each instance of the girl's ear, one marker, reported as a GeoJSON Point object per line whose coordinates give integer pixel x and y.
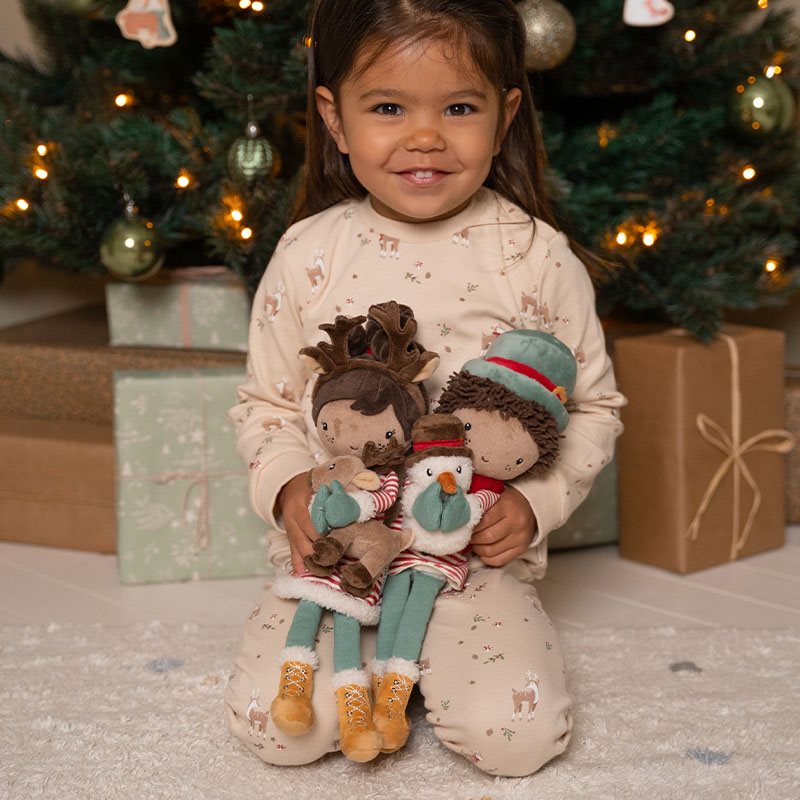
{"type": "Point", "coordinates": [326, 106]}
{"type": "Point", "coordinates": [508, 108]}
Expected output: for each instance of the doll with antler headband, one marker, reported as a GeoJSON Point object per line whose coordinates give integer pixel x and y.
{"type": "Point", "coordinates": [367, 395]}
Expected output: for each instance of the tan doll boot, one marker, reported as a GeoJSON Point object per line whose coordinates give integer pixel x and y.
{"type": "Point", "coordinates": [391, 702]}
{"type": "Point", "coordinates": [359, 740]}
{"type": "Point", "coordinates": [291, 709]}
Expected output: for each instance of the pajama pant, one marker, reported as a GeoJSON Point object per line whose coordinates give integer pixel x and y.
{"type": "Point", "coordinates": [491, 675]}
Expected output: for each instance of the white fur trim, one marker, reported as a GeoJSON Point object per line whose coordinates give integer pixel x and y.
{"type": "Point", "coordinates": [377, 666]}
{"type": "Point", "coordinates": [348, 677]}
{"type": "Point", "coordinates": [436, 542]}
{"type": "Point", "coordinates": [403, 667]}
{"type": "Point", "coordinates": [302, 654]}
{"type": "Point", "coordinates": [290, 587]}
{"type": "Point", "coordinates": [366, 502]}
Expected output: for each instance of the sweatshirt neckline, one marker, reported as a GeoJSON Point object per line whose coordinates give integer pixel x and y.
{"type": "Point", "coordinates": [426, 231]}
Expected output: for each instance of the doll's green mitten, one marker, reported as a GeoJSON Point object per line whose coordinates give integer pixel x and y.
{"type": "Point", "coordinates": [455, 511]}
{"type": "Point", "coordinates": [427, 508]}
{"type": "Point", "coordinates": [318, 517]}
{"type": "Point", "coordinates": [341, 509]}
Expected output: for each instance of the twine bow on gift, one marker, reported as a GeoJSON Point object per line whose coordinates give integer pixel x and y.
{"type": "Point", "coordinates": [772, 440]}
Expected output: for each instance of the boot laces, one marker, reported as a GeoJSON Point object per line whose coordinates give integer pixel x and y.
{"type": "Point", "coordinates": [296, 677]}
{"type": "Point", "coordinates": [400, 690]}
{"type": "Point", "coordinates": [356, 702]}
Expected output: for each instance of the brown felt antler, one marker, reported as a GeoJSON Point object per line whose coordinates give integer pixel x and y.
{"type": "Point", "coordinates": [405, 357]}
{"type": "Point", "coordinates": [325, 357]}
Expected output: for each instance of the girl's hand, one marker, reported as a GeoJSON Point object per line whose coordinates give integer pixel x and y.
{"type": "Point", "coordinates": [293, 502]}
{"type": "Point", "coordinates": [505, 530]}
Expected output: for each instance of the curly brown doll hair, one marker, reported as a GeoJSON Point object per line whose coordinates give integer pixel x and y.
{"type": "Point", "coordinates": [465, 390]}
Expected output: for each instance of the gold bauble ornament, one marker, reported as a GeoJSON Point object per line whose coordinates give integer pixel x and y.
{"type": "Point", "coordinates": [130, 248]}
{"type": "Point", "coordinates": [251, 157]}
{"type": "Point", "coordinates": [762, 106]}
{"type": "Point", "coordinates": [549, 32]}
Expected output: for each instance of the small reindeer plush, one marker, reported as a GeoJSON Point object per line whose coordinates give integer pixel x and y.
{"type": "Point", "coordinates": [366, 397]}
{"type": "Point", "coordinates": [500, 418]}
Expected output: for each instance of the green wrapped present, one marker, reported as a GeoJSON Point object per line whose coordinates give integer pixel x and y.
{"type": "Point", "coordinates": [183, 510]}
{"type": "Point", "coordinates": [203, 308]}
{"type": "Point", "coordinates": [595, 520]}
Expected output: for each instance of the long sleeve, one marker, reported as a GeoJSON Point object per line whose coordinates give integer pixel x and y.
{"type": "Point", "coordinates": [566, 296]}
{"type": "Point", "coordinates": [268, 420]}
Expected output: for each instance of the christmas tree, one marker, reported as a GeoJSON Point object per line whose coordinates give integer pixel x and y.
{"type": "Point", "coordinates": [671, 135]}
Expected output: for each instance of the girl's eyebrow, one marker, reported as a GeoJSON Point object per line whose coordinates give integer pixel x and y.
{"type": "Point", "coordinates": [401, 95]}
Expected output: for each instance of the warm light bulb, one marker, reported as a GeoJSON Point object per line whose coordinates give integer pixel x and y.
{"type": "Point", "coordinates": [690, 35]}
{"type": "Point", "coordinates": [22, 204]}
{"type": "Point", "coordinates": [308, 40]}
{"type": "Point", "coordinates": [771, 265]}
{"type": "Point", "coordinates": [246, 233]}
{"type": "Point", "coordinates": [122, 100]}
{"type": "Point", "coordinates": [748, 173]}
{"type": "Point", "coordinates": [41, 149]}
{"type": "Point", "coordinates": [763, 3]}
{"type": "Point", "coordinates": [183, 179]}
{"type": "Point", "coordinates": [771, 71]}
{"type": "Point", "coordinates": [244, 3]}
{"type": "Point", "coordinates": [41, 173]}
{"type": "Point", "coordinates": [237, 215]}
{"type": "Point", "coordinates": [622, 237]}
{"type": "Point", "coordinates": [648, 239]}
{"type": "Point", "coordinates": [257, 6]}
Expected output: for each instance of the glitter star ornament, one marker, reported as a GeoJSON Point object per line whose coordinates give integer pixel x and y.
{"type": "Point", "coordinates": [549, 32]}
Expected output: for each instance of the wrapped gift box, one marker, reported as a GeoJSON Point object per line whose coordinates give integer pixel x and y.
{"type": "Point", "coordinates": [793, 462]}
{"type": "Point", "coordinates": [62, 368]}
{"type": "Point", "coordinates": [595, 520]}
{"type": "Point", "coordinates": [57, 484]}
{"type": "Point", "coordinates": [183, 510]}
{"type": "Point", "coordinates": [701, 465]}
{"type": "Point", "coordinates": [205, 308]}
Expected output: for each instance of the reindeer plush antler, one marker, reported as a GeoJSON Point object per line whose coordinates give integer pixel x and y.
{"type": "Point", "coordinates": [325, 358]}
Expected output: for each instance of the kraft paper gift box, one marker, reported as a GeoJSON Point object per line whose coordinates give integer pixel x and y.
{"type": "Point", "coordinates": [62, 368]}
{"type": "Point", "coordinates": [793, 462]}
{"type": "Point", "coordinates": [57, 484]}
{"type": "Point", "coordinates": [204, 308]}
{"type": "Point", "coordinates": [183, 510]}
{"type": "Point", "coordinates": [595, 519]}
{"type": "Point", "coordinates": [701, 460]}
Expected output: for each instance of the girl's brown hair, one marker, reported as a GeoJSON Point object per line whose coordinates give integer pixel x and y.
{"type": "Point", "coordinates": [494, 35]}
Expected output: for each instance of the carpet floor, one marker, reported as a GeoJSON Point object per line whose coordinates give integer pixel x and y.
{"type": "Point", "coordinates": [136, 712]}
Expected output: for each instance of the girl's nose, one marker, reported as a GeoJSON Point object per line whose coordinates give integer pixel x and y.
{"type": "Point", "coordinates": [425, 138]}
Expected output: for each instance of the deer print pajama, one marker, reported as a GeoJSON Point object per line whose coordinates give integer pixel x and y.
{"type": "Point", "coordinates": [492, 680]}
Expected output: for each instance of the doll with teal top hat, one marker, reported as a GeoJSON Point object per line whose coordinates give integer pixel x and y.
{"type": "Point", "coordinates": [500, 417]}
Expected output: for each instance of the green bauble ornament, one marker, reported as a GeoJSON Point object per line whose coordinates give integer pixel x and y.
{"type": "Point", "coordinates": [251, 156]}
{"type": "Point", "coordinates": [762, 107]}
{"type": "Point", "coordinates": [81, 8]}
{"type": "Point", "coordinates": [130, 248]}
{"type": "Point", "coordinates": [549, 32]}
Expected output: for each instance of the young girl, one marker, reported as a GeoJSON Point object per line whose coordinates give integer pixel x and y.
{"type": "Point", "coordinates": [424, 183]}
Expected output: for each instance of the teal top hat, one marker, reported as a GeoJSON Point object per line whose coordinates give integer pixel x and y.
{"type": "Point", "coordinates": [534, 365]}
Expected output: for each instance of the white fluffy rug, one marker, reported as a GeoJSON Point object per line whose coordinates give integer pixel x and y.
{"type": "Point", "coordinates": [136, 712]}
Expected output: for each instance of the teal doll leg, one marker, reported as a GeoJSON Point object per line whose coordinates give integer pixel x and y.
{"type": "Point", "coordinates": [303, 631]}
{"type": "Point", "coordinates": [346, 643]}
{"type": "Point", "coordinates": [393, 603]}
{"type": "Point", "coordinates": [417, 612]}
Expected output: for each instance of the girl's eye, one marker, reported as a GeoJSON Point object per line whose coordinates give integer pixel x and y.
{"type": "Point", "coordinates": [520, 460]}
{"type": "Point", "coordinates": [389, 434]}
{"type": "Point", "coordinates": [324, 426]}
{"type": "Point", "coordinates": [388, 109]}
{"type": "Point", "coordinates": [460, 110]}
{"type": "Point", "coordinates": [467, 426]}
{"type": "Point", "coordinates": [429, 473]}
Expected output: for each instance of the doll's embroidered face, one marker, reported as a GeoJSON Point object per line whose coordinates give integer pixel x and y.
{"type": "Point", "coordinates": [501, 448]}
{"type": "Point", "coordinates": [344, 431]}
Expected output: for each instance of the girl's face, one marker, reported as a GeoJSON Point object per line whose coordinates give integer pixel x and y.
{"type": "Point", "coordinates": [420, 127]}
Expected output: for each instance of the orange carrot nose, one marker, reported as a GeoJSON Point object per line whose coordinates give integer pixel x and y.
{"type": "Point", "coordinates": [448, 482]}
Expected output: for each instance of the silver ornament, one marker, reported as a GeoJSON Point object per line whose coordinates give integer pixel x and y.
{"type": "Point", "coordinates": [251, 156]}
{"type": "Point", "coordinates": [549, 32]}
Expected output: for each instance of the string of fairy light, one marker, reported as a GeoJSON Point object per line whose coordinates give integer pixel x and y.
{"type": "Point", "coordinates": [646, 232]}
{"type": "Point", "coordinates": [232, 206]}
